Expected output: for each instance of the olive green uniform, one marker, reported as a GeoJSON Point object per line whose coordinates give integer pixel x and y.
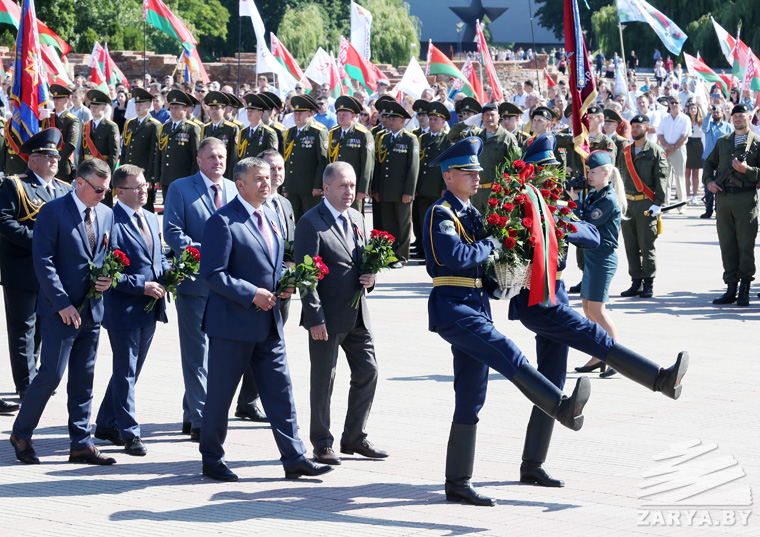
{"type": "Point", "coordinates": [280, 131]}
{"type": "Point", "coordinates": [305, 161]}
{"type": "Point", "coordinates": [227, 132]}
{"type": "Point", "coordinates": [357, 148]}
{"type": "Point", "coordinates": [70, 128]}
{"type": "Point", "coordinates": [639, 230]}
{"type": "Point", "coordinates": [139, 144]}
{"type": "Point", "coordinates": [430, 184]}
{"type": "Point", "coordinates": [176, 153]}
{"type": "Point", "coordinates": [11, 163]}
{"type": "Point", "coordinates": [252, 141]}
{"type": "Point", "coordinates": [736, 206]}
{"type": "Point", "coordinates": [461, 130]}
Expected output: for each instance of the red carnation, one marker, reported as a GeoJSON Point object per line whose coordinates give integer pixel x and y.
{"type": "Point", "coordinates": [527, 222]}
{"type": "Point", "coordinates": [561, 224]}
{"type": "Point", "coordinates": [564, 210]}
{"type": "Point", "coordinates": [553, 196]}
{"type": "Point", "coordinates": [571, 228]}
{"type": "Point", "coordinates": [572, 204]}
{"type": "Point", "coordinates": [493, 202]}
{"type": "Point", "coordinates": [513, 233]}
{"type": "Point", "coordinates": [503, 221]}
{"type": "Point", "coordinates": [519, 164]}
{"type": "Point", "coordinates": [121, 257]}
{"type": "Point", "coordinates": [390, 238]}
{"type": "Point", "coordinates": [493, 219]}
{"type": "Point", "coordinates": [194, 253]}
{"type": "Point", "coordinates": [508, 207]}
{"type": "Point", "coordinates": [509, 243]}
{"type": "Point", "coordinates": [496, 188]}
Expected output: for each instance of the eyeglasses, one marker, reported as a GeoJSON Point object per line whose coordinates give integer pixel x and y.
{"type": "Point", "coordinates": [97, 190]}
{"type": "Point", "coordinates": [365, 114]}
{"type": "Point", "coordinates": [141, 186]}
{"type": "Point", "coordinates": [299, 88]}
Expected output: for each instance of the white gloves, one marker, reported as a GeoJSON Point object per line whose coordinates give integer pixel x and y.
{"type": "Point", "coordinates": [655, 210]}
{"type": "Point", "coordinates": [473, 120]}
{"type": "Point", "coordinates": [495, 242]}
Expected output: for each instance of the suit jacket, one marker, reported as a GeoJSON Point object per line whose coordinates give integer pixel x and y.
{"type": "Point", "coordinates": [318, 234]}
{"type": "Point", "coordinates": [176, 152]}
{"type": "Point", "coordinates": [289, 227]}
{"type": "Point", "coordinates": [235, 263]}
{"type": "Point", "coordinates": [106, 141]}
{"type": "Point", "coordinates": [62, 255]}
{"type": "Point", "coordinates": [17, 221]}
{"type": "Point", "coordinates": [125, 305]}
{"type": "Point", "coordinates": [188, 205]}
{"type": "Point", "coordinates": [140, 143]}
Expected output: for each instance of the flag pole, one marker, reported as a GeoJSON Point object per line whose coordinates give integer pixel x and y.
{"type": "Point", "coordinates": [145, 47]}
{"type": "Point", "coordinates": [622, 47]}
{"type": "Point", "coordinates": [535, 51]}
{"type": "Point", "coordinates": [240, 47]}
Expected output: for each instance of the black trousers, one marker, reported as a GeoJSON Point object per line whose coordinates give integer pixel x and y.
{"type": "Point", "coordinates": [23, 334]}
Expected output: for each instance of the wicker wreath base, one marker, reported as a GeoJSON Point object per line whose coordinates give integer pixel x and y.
{"type": "Point", "coordinates": [511, 276]}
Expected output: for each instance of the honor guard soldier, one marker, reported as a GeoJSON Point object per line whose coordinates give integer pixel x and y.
{"type": "Point", "coordinates": [190, 111]}
{"type": "Point", "coordinates": [611, 121]}
{"type": "Point", "coordinates": [732, 172]}
{"type": "Point", "coordinates": [271, 116]}
{"type": "Point", "coordinates": [380, 128]}
{"type": "Point", "coordinates": [100, 136]}
{"type": "Point", "coordinates": [21, 198]}
{"type": "Point", "coordinates": [305, 156]}
{"type": "Point", "coordinates": [395, 179]}
{"type": "Point", "coordinates": [178, 141]}
{"type": "Point", "coordinates": [644, 169]}
{"type": "Point", "coordinates": [70, 128]}
{"type": "Point", "coordinates": [257, 137]}
{"type": "Point", "coordinates": [466, 109]}
{"type": "Point", "coordinates": [351, 142]}
{"type": "Point", "coordinates": [140, 140]}
{"type": "Point", "coordinates": [421, 107]}
{"type": "Point", "coordinates": [378, 131]}
{"type": "Point", "coordinates": [430, 185]}
{"type": "Point", "coordinates": [509, 115]}
{"type": "Point", "coordinates": [598, 141]}
{"type": "Point", "coordinates": [12, 161]}
{"type": "Point", "coordinates": [232, 110]}
{"type": "Point", "coordinates": [221, 128]}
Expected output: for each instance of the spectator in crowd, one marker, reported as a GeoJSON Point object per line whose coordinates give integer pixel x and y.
{"type": "Point", "coordinates": [695, 146]}
{"type": "Point", "coordinates": [324, 116]}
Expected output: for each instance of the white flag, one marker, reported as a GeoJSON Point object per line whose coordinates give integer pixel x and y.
{"type": "Point", "coordinates": [265, 61]}
{"type": "Point", "coordinates": [320, 66]}
{"type": "Point", "coordinates": [248, 9]}
{"type": "Point", "coordinates": [361, 24]}
{"type": "Point", "coordinates": [414, 81]}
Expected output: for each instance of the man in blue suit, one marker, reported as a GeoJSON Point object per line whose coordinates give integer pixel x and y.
{"type": "Point", "coordinates": [70, 232]}
{"type": "Point", "coordinates": [189, 203]}
{"type": "Point", "coordinates": [130, 327]}
{"type": "Point", "coordinates": [241, 263]}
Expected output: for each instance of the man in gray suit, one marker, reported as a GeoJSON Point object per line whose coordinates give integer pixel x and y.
{"type": "Point", "coordinates": [337, 233]}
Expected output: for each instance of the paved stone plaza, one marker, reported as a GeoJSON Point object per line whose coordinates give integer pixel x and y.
{"type": "Point", "coordinates": [604, 465]}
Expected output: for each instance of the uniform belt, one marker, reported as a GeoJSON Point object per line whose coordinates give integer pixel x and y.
{"type": "Point", "coordinates": [559, 275]}
{"type": "Point", "coordinates": [738, 189]}
{"type": "Point", "coordinates": [637, 197]}
{"type": "Point", "coordinates": [457, 281]}
{"type": "Point", "coordinates": [485, 185]}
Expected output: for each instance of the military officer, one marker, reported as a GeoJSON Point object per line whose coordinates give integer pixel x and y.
{"type": "Point", "coordinates": [232, 110]}
{"type": "Point", "coordinates": [395, 179]}
{"type": "Point", "coordinates": [378, 131]}
{"type": "Point", "coordinates": [542, 119]}
{"type": "Point", "coordinates": [644, 169]}
{"type": "Point", "coordinates": [430, 185]}
{"type": "Point", "coordinates": [611, 121]}
{"type": "Point", "coordinates": [732, 172]}
{"type": "Point", "coordinates": [140, 141]}
{"type": "Point", "coordinates": [597, 141]}
{"type": "Point", "coordinates": [351, 142]}
{"type": "Point", "coordinates": [305, 156]}
{"type": "Point", "coordinates": [70, 128]}
{"type": "Point", "coordinates": [190, 111]}
{"type": "Point", "coordinates": [466, 109]}
{"type": "Point", "coordinates": [100, 136]}
{"type": "Point", "coordinates": [12, 161]}
{"type": "Point", "coordinates": [221, 128]}
{"type": "Point", "coordinates": [257, 137]}
{"type": "Point", "coordinates": [178, 141]}
{"type": "Point", "coordinates": [270, 117]}
{"type": "Point", "coordinates": [421, 107]}
{"type": "Point", "coordinates": [509, 115]}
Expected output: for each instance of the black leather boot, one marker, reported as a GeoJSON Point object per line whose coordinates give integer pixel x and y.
{"type": "Point", "coordinates": [546, 396]}
{"type": "Point", "coordinates": [729, 297]}
{"type": "Point", "coordinates": [460, 460]}
{"type": "Point", "coordinates": [647, 289]}
{"type": "Point", "coordinates": [742, 299]}
{"type": "Point", "coordinates": [634, 289]}
{"type": "Point", "coordinates": [647, 373]}
{"type": "Point", "coordinates": [575, 288]}
{"type": "Point", "coordinates": [537, 439]}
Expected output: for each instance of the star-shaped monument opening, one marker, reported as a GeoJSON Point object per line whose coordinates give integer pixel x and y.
{"type": "Point", "coordinates": [474, 12]}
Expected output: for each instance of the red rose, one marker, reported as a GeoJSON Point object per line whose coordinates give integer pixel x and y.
{"type": "Point", "coordinates": [121, 257]}
{"type": "Point", "coordinates": [526, 172]}
{"type": "Point", "coordinates": [496, 188]}
{"type": "Point", "coordinates": [493, 219]}
{"type": "Point", "coordinates": [572, 204]}
{"type": "Point", "coordinates": [513, 233]}
{"type": "Point", "coordinates": [559, 233]}
{"type": "Point", "coordinates": [564, 210]}
{"type": "Point", "coordinates": [540, 168]}
{"type": "Point", "coordinates": [519, 164]}
{"type": "Point", "coordinates": [562, 224]}
{"type": "Point", "coordinates": [505, 176]}
{"type": "Point", "coordinates": [508, 207]}
{"type": "Point", "coordinates": [374, 234]}
{"type": "Point", "coordinates": [527, 222]}
{"type": "Point", "coordinates": [493, 202]}
{"type": "Point", "coordinates": [545, 192]}
{"type": "Point", "coordinates": [509, 243]}
{"type": "Point", "coordinates": [552, 208]}
{"type": "Point", "coordinates": [388, 237]}
{"type": "Point", "coordinates": [520, 199]}
{"type": "Point", "coordinates": [553, 196]}
{"type": "Point", "coordinates": [503, 221]}
{"type": "Point", "coordinates": [193, 253]}
{"type": "Point", "coordinates": [532, 241]}
{"type": "Point", "coordinates": [571, 228]}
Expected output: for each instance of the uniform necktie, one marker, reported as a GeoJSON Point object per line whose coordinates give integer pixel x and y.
{"type": "Point", "coordinates": [267, 238]}
{"type": "Point", "coordinates": [89, 228]}
{"type": "Point", "coordinates": [51, 189]}
{"type": "Point", "coordinates": [348, 233]}
{"type": "Point", "coordinates": [217, 196]}
{"type": "Point", "coordinates": [144, 231]}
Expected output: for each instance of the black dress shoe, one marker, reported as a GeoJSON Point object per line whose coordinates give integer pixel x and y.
{"type": "Point", "coordinates": [186, 427]}
{"type": "Point", "coordinates": [326, 455]}
{"type": "Point", "coordinates": [465, 493]}
{"type": "Point", "coordinates": [607, 374]}
{"type": "Point", "coordinates": [251, 412]}
{"type": "Point", "coordinates": [307, 468]}
{"type": "Point", "coordinates": [575, 288]}
{"type": "Point", "coordinates": [90, 455]}
{"type": "Point", "coordinates": [396, 265]}
{"type": "Point", "coordinates": [24, 451]}
{"type": "Point", "coordinates": [7, 408]}
{"type": "Point", "coordinates": [21, 393]}
{"type": "Point", "coordinates": [536, 475]}
{"type": "Point", "coordinates": [705, 215]}
{"type": "Point", "coordinates": [363, 448]}
{"type": "Point", "coordinates": [195, 434]}
{"type": "Point", "coordinates": [219, 471]}
{"type": "Point", "coordinates": [110, 434]}
{"type": "Point", "coordinates": [134, 446]}
{"type": "Point", "coordinates": [601, 366]}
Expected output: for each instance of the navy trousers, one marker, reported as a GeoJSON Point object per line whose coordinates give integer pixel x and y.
{"type": "Point", "coordinates": [23, 334]}
{"type": "Point", "coordinates": [193, 348]}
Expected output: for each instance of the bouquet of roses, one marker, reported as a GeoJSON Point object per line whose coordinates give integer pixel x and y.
{"type": "Point", "coordinates": [377, 255]}
{"type": "Point", "coordinates": [302, 276]}
{"type": "Point", "coordinates": [113, 264]}
{"type": "Point", "coordinates": [184, 266]}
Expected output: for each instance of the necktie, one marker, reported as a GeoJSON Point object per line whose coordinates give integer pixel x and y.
{"type": "Point", "coordinates": [280, 214]}
{"type": "Point", "coordinates": [348, 233]}
{"type": "Point", "coordinates": [89, 228]}
{"type": "Point", "coordinates": [264, 233]}
{"type": "Point", "coordinates": [51, 190]}
{"type": "Point", "coordinates": [217, 196]}
{"type": "Point", "coordinates": [342, 134]}
{"type": "Point", "coordinates": [174, 126]}
{"type": "Point", "coordinates": [142, 225]}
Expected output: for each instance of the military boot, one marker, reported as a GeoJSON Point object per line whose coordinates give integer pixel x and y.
{"type": "Point", "coordinates": [743, 297]}
{"type": "Point", "coordinates": [647, 373]}
{"type": "Point", "coordinates": [634, 289]}
{"type": "Point", "coordinates": [729, 297]}
{"type": "Point", "coordinates": [460, 460]}
{"type": "Point", "coordinates": [537, 439]}
{"type": "Point", "coordinates": [647, 289]}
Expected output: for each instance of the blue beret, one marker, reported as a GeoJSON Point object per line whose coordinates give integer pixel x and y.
{"type": "Point", "coordinates": [598, 158]}
{"type": "Point", "coordinates": [463, 155]}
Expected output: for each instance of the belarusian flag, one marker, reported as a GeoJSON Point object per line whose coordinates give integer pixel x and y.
{"type": "Point", "coordinates": [322, 69]}
{"type": "Point", "coordinates": [742, 56]}
{"type": "Point", "coordinates": [158, 15]}
{"type": "Point", "coordinates": [358, 67]}
{"type": "Point", "coordinates": [469, 73]}
{"type": "Point", "coordinates": [287, 60]}
{"type": "Point", "coordinates": [751, 74]}
{"type": "Point", "coordinates": [56, 70]}
{"type": "Point", "coordinates": [193, 65]}
{"type": "Point", "coordinates": [111, 71]}
{"type": "Point", "coordinates": [549, 80]}
{"type": "Point", "coordinates": [727, 42]}
{"type": "Point", "coordinates": [487, 62]}
{"type": "Point", "coordinates": [440, 64]}
{"type": "Point", "coordinates": [10, 13]}
{"type": "Point", "coordinates": [96, 74]}
{"type": "Point", "coordinates": [699, 69]}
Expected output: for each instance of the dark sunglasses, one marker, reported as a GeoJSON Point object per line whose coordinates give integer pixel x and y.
{"type": "Point", "coordinates": [365, 114]}
{"type": "Point", "coordinates": [97, 190]}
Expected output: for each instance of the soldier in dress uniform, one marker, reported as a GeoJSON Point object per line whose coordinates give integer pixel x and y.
{"type": "Point", "coordinates": [12, 161]}
{"type": "Point", "coordinates": [430, 185]}
{"type": "Point", "coordinates": [351, 142]}
{"type": "Point", "coordinates": [611, 121]}
{"type": "Point", "coordinates": [598, 141]}
{"type": "Point", "coordinates": [509, 115]}
{"type": "Point", "coordinates": [732, 172]}
{"type": "Point", "coordinates": [644, 169]}
{"type": "Point", "coordinates": [271, 116]}
{"type": "Point", "coordinates": [421, 107]}
{"type": "Point", "coordinates": [178, 141]}
{"type": "Point", "coordinates": [140, 141]}
{"type": "Point", "coordinates": [190, 110]}
{"type": "Point", "coordinates": [70, 128]}
{"type": "Point", "coordinates": [257, 137]}
{"type": "Point", "coordinates": [305, 156]}
{"type": "Point", "coordinates": [541, 120]}
{"type": "Point", "coordinates": [395, 179]}
{"type": "Point", "coordinates": [100, 136]}
{"type": "Point", "coordinates": [232, 110]}
{"type": "Point", "coordinates": [21, 198]}
{"type": "Point", "coordinates": [378, 131]}
{"type": "Point", "coordinates": [466, 109]}
{"type": "Point", "coordinates": [221, 128]}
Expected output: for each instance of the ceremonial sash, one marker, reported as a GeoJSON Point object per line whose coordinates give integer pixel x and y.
{"type": "Point", "coordinates": [332, 154]}
{"type": "Point", "coordinates": [545, 251]}
{"type": "Point", "coordinates": [15, 146]}
{"type": "Point", "coordinates": [88, 143]}
{"type": "Point", "coordinates": [288, 147]}
{"type": "Point", "coordinates": [638, 183]}
{"type": "Point", "coordinates": [128, 133]}
{"type": "Point", "coordinates": [242, 144]}
{"type": "Point", "coordinates": [458, 225]}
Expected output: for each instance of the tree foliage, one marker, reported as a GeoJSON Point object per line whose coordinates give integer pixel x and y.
{"type": "Point", "coordinates": [302, 31]}
{"type": "Point", "coordinates": [394, 31]}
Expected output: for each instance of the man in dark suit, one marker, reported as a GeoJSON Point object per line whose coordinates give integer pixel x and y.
{"type": "Point", "coordinates": [21, 198]}
{"type": "Point", "coordinates": [191, 201]}
{"type": "Point", "coordinates": [130, 327]}
{"type": "Point", "coordinates": [338, 234]}
{"type": "Point", "coordinates": [71, 232]}
{"type": "Point", "coordinates": [141, 141]}
{"type": "Point", "coordinates": [241, 263]}
{"type": "Point", "coordinates": [100, 136]}
{"type": "Point", "coordinates": [70, 128]}
{"type": "Point", "coordinates": [178, 141]}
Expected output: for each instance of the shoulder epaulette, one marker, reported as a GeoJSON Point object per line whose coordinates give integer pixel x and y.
{"type": "Point", "coordinates": [62, 181]}
{"type": "Point", "coordinates": [361, 128]}
{"type": "Point", "coordinates": [279, 126]}
{"type": "Point", "coordinates": [335, 127]}
{"type": "Point", "coordinates": [266, 128]}
{"type": "Point", "coordinates": [317, 125]}
{"type": "Point", "coordinates": [230, 123]}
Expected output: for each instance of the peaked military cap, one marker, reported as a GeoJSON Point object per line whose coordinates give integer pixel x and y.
{"type": "Point", "coordinates": [541, 151]}
{"type": "Point", "coordinates": [57, 91]}
{"type": "Point", "coordinates": [216, 98]}
{"type": "Point", "coordinates": [345, 103]}
{"type": "Point", "coordinates": [303, 103]}
{"type": "Point", "coordinates": [234, 101]}
{"type": "Point", "coordinates": [463, 155]}
{"type": "Point", "coordinates": [509, 109]}
{"type": "Point", "coordinates": [421, 106]}
{"type": "Point", "coordinates": [142, 96]}
{"type": "Point", "coordinates": [437, 108]}
{"type": "Point", "coordinates": [544, 112]}
{"type": "Point", "coordinates": [255, 101]}
{"type": "Point", "coordinates": [176, 96]}
{"type": "Point", "coordinates": [612, 115]}
{"type": "Point", "coordinates": [468, 104]}
{"type": "Point", "coordinates": [394, 109]}
{"type": "Point", "coordinates": [598, 158]}
{"type": "Point", "coordinates": [274, 99]}
{"type": "Point", "coordinates": [46, 142]}
{"type": "Point", "coordinates": [98, 97]}
{"type": "Point", "coordinates": [595, 109]}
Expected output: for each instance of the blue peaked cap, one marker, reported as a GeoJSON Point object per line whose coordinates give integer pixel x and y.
{"type": "Point", "coordinates": [463, 155]}
{"type": "Point", "coordinates": [541, 151]}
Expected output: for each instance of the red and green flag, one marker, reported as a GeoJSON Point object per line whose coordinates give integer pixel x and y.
{"type": "Point", "coordinates": [111, 71]}
{"type": "Point", "coordinates": [286, 59]}
{"type": "Point", "coordinates": [358, 67]}
{"type": "Point", "coordinates": [699, 69]}
{"type": "Point", "coordinates": [726, 40]}
{"type": "Point", "coordinates": [440, 64]}
{"type": "Point", "coordinates": [57, 72]}
{"type": "Point", "coordinates": [744, 56]}
{"type": "Point", "coordinates": [158, 15]}
{"type": "Point", "coordinates": [96, 75]}
{"type": "Point", "coordinates": [9, 14]}
{"type": "Point", "coordinates": [487, 62]}
{"type": "Point", "coordinates": [471, 76]}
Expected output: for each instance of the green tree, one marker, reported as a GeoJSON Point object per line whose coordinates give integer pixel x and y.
{"type": "Point", "coordinates": [605, 24]}
{"type": "Point", "coordinates": [395, 33]}
{"type": "Point", "coordinates": [302, 31]}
